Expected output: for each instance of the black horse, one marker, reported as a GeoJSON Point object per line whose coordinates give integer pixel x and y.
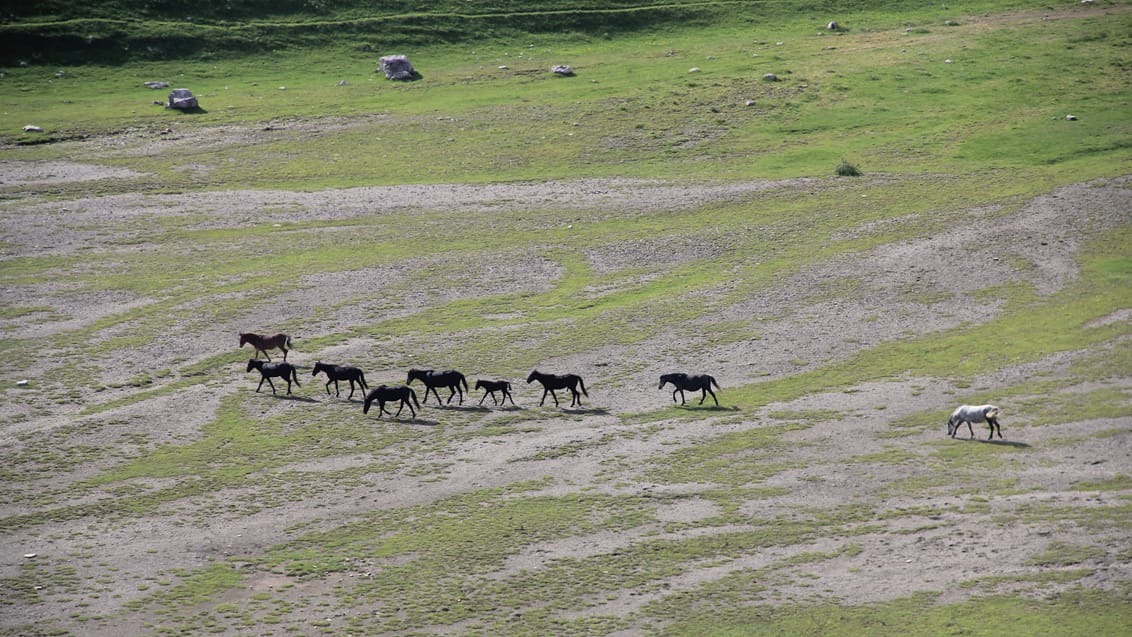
{"type": "Point", "coordinates": [551, 382]}
{"type": "Point", "coordinates": [384, 393]}
{"type": "Point", "coordinates": [267, 371]}
{"type": "Point", "coordinates": [432, 379]}
{"type": "Point", "coordinates": [336, 373]}
{"type": "Point", "coordinates": [684, 382]}
{"type": "Point", "coordinates": [492, 386]}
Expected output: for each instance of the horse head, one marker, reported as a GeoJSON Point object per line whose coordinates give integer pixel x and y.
{"type": "Point", "coordinates": [534, 375]}
{"type": "Point", "coordinates": [254, 364]}
{"type": "Point", "coordinates": [243, 339]}
{"type": "Point", "coordinates": [318, 366]}
{"type": "Point", "coordinates": [952, 425]}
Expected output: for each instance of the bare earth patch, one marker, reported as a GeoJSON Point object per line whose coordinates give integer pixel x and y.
{"type": "Point", "coordinates": [794, 326]}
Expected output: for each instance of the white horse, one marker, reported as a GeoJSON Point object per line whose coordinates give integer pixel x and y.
{"type": "Point", "coordinates": [974, 413]}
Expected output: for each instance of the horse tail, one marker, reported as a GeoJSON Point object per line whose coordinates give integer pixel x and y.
{"type": "Point", "coordinates": [463, 380]}
{"type": "Point", "coordinates": [712, 381]}
{"type": "Point", "coordinates": [583, 386]}
{"type": "Point", "coordinates": [289, 342]}
{"type": "Point", "coordinates": [295, 375]}
{"type": "Point", "coordinates": [413, 395]}
{"type": "Point", "coordinates": [362, 380]}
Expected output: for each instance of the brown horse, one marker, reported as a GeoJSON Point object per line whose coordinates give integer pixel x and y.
{"type": "Point", "coordinates": [263, 343]}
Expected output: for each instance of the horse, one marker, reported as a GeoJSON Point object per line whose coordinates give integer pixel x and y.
{"type": "Point", "coordinates": [269, 370]}
{"type": "Point", "coordinates": [432, 379]}
{"type": "Point", "coordinates": [335, 373]}
{"type": "Point", "coordinates": [492, 386]}
{"type": "Point", "coordinates": [384, 393]}
{"type": "Point", "coordinates": [551, 382]}
{"type": "Point", "coordinates": [264, 343]}
{"type": "Point", "coordinates": [684, 382]}
{"type": "Point", "coordinates": [974, 413]}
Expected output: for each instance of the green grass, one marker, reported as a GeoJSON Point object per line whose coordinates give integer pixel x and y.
{"type": "Point", "coordinates": [934, 140]}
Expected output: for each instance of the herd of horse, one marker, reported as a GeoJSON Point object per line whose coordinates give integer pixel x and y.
{"type": "Point", "coordinates": [456, 384]}
{"type": "Point", "coordinates": [452, 380]}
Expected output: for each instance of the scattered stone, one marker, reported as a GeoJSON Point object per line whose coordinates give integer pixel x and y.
{"type": "Point", "coordinates": [833, 26]}
{"type": "Point", "coordinates": [750, 102]}
{"type": "Point", "coordinates": [562, 69]}
{"type": "Point", "coordinates": [182, 99]}
{"type": "Point", "coordinates": [1071, 118]}
{"type": "Point", "coordinates": [343, 83]}
{"type": "Point", "coordinates": [503, 67]}
{"type": "Point", "coordinates": [157, 85]}
{"type": "Point", "coordinates": [21, 383]}
{"type": "Point", "coordinates": [770, 77]}
{"type": "Point", "coordinates": [397, 67]}
{"type": "Point", "coordinates": [31, 556]}
{"type": "Point", "coordinates": [32, 129]}
{"type": "Point", "coordinates": [694, 69]}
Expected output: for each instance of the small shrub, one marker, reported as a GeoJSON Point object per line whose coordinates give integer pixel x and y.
{"type": "Point", "coordinates": [848, 170]}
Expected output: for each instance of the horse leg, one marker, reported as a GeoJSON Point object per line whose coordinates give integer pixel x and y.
{"type": "Point", "coordinates": [969, 430]}
{"type": "Point", "coordinates": [288, 385]}
{"type": "Point", "coordinates": [708, 390]}
{"type": "Point", "coordinates": [351, 396]}
{"type": "Point", "coordinates": [284, 348]}
{"type": "Point", "coordinates": [328, 387]}
{"type": "Point", "coordinates": [411, 410]}
{"type": "Point", "coordinates": [485, 396]}
{"type": "Point", "coordinates": [506, 395]}
{"type": "Point", "coordinates": [451, 395]}
{"type": "Point", "coordinates": [265, 354]}
{"type": "Point", "coordinates": [261, 379]}
{"type": "Point", "coordinates": [576, 397]}
{"type": "Point", "coordinates": [268, 378]}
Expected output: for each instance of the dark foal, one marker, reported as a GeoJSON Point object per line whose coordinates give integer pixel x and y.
{"type": "Point", "coordinates": [336, 373]}
{"type": "Point", "coordinates": [492, 386]}
{"type": "Point", "coordinates": [264, 343]}
{"type": "Point", "coordinates": [267, 371]}
{"type": "Point", "coordinates": [384, 393]}
{"type": "Point", "coordinates": [432, 379]}
{"type": "Point", "coordinates": [684, 382]}
{"type": "Point", "coordinates": [551, 382]}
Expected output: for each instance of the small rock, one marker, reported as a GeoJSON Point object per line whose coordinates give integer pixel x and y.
{"type": "Point", "coordinates": [833, 26]}
{"type": "Point", "coordinates": [343, 83]}
{"type": "Point", "coordinates": [502, 67]}
{"type": "Point", "coordinates": [32, 129]}
{"type": "Point", "coordinates": [1071, 118]}
{"type": "Point", "coordinates": [562, 69]}
{"type": "Point", "coordinates": [770, 77]}
{"type": "Point", "coordinates": [750, 102]}
{"type": "Point", "coordinates": [157, 85]}
{"type": "Point", "coordinates": [31, 556]}
{"type": "Point", "coordinates": [21, 383]}
{"type": "Point", "coordinates": [694, 69]}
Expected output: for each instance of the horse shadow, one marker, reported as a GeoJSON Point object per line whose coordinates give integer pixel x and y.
{"type": "Point", "coordinates": [472, 408]}
{"type": "Point", "coordinates": [298, 399]}
{"type": "Point", "coordinates": [1003, 443]}
{"type": "Point", "coordinates": [720, 408]}
{"type": "Point", "coordinates": [585, 411]}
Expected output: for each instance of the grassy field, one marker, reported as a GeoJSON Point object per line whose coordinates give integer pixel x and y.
{"type": "Point", "coordinates": [667, 207]}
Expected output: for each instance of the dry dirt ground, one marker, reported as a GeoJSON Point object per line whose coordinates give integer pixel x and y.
{"type": "Point", "coordinates": [933, 552]}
